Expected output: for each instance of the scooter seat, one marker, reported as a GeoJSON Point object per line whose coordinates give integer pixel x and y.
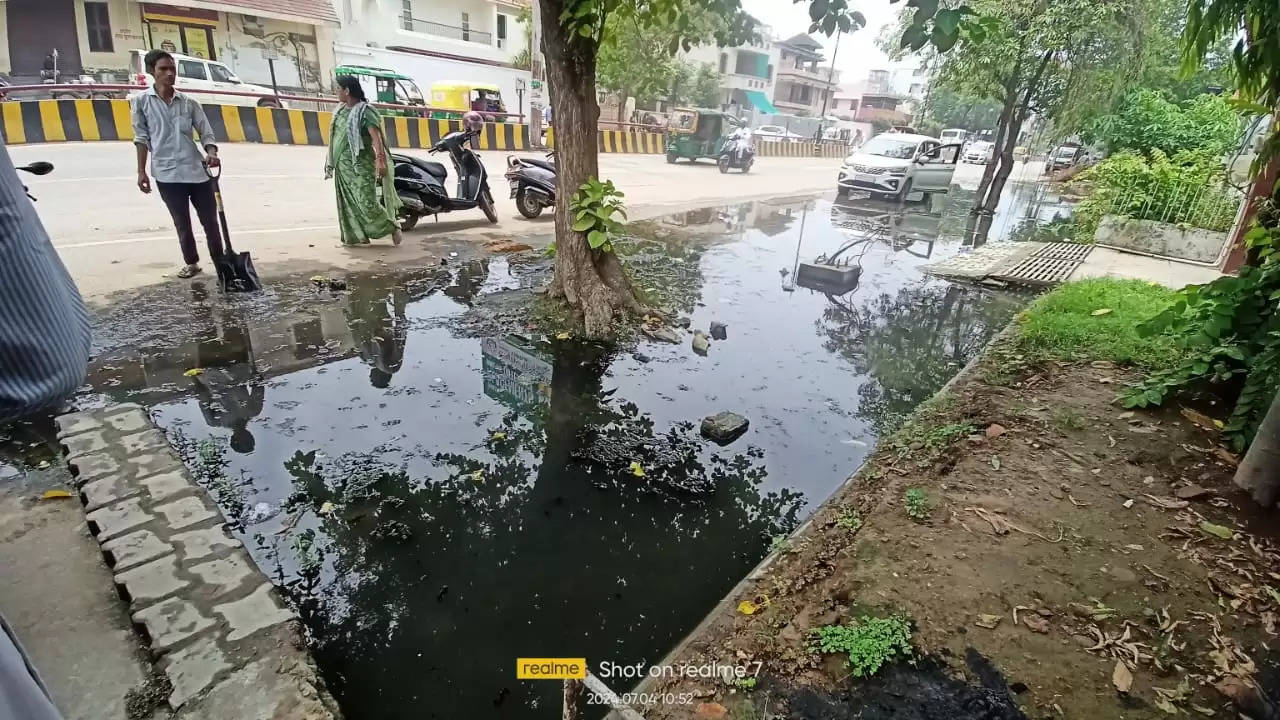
{"type": "Point", "coordinates": [430, 167]}
{"type": "Point", "coordinates": [544, 164]}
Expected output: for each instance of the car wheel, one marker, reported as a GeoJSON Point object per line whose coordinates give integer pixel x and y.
{"type": "Point", "coordinates": [527, 203]}
{"type": "Point", "coordinates": [671, 158]}
{"type": "Point", "coordinates": [485, 201]}
{"type": "Point", "coordinates": [723, 164]}
{"type": "Point", "coordinates": [905, 191]}
{"type": "Point", "coordinates": [747, 168]}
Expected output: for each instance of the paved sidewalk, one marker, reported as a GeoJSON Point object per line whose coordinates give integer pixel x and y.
{"type": "Point", "coordinates": [1107, 262]}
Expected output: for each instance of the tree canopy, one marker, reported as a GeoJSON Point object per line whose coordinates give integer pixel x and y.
{"type": "Point", "coordinates": [1147, 120]}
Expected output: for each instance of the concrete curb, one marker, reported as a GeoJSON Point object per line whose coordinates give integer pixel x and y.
{"type": "Point", "coordinates": [214, 624]}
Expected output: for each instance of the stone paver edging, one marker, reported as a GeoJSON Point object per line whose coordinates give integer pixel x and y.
{"type": "Point", "coordinates": [230, 647]}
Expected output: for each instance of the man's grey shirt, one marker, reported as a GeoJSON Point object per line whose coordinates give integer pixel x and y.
{"type": "Point", "coordinates": [166, 130]}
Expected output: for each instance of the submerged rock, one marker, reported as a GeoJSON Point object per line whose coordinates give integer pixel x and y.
{"type": "Point", "coordinates": [700, 342]}
{"type": "Point", "coordinates": [719, 331]}
{"type": "Point", "coordinates": [724, 427]}
{"type": "Point", "coordinates": [663, 334]}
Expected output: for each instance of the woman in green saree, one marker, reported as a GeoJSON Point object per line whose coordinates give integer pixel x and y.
{"type": "Point", "coordinates": [359, 165]}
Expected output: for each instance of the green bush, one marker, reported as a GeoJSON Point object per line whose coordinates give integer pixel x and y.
{"type": "Point", "coordinates": [1148, 121]}
{"type": "Point", "coordinates": [870, 642]}
{"type": "Point", "coordinates": [1184, 189]}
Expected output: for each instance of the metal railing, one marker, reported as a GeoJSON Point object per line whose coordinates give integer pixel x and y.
{"type": "Point", "coordinates": [1209, 207]}
{"type": "Point", "coordinates": [454, 32]}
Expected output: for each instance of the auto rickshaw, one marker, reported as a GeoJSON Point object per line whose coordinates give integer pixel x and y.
{"type": "Point", "coordinates": [387, 86]}
{"type": "Point", "coordinates": [451, 100]}
{"type": "Point", "coordinates": [698, 133]}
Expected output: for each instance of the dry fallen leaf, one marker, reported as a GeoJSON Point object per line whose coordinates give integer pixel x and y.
{"type": "Point", "coordinates": [326, 508]}
{"type": "Point", "coordinates": [1121, 677]}
{"type": "Point", "coordinates": [1201, 419]}
{"type": "Point", "coordinates": [562, 336]}
{"type": "Point", "coordinates": [1101, 311]}
{"type": "Point", "coordinates": [636, 469]}
{"type": "Point", "coordinates": [988, 621]}
{"type": "Point", "coordinates": [55, 495]}
{"type": "Point", "coordinates": [746, 607]}
{"type": "Point", "coordinates": [194, 372]}
{"type": "Point", "coordinates": [1036, 624]}
{"type": "Point", "coordinates": [1227, 456]}
{"type": "Point", "coordinates": [1216, 530]}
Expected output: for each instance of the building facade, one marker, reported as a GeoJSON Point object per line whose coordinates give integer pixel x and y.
{"type": "Point", "coordinates": [485, 31]}
{"type": "Point", "coordinates": [98, 37]}
{"type": "Point", "coordinates": [748, 72]}
{"type": "Point", "coordinates": [805, 84]}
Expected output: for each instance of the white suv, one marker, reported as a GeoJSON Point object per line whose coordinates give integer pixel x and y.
{"type": "Point", "coordinates": [897, 164]}
{"type": "Point", "coordinates": [199, 74]}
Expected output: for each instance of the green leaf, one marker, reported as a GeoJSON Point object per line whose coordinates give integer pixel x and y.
{"type": "Point", "coordinates": [596, 238]}
{"type": "Point", "coordinates": [584, 225]}
{"type": "Point", "coordinates": [948, 21]}
{"type": "Point", "coordinates": [914, 37]}
{"type": "Point", "coordinates": [817, 9]}
{"type": "Point", "coordinates": [924, 9]}
{"type": "Point", "coordinates": [943, 40]}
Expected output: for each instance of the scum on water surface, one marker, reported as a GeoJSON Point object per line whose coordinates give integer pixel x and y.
{"type": "Point", "coordinates": [443, 482]}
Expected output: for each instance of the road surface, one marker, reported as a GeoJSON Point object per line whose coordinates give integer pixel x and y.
{"type": "Point", "coordinates": [279, 206]}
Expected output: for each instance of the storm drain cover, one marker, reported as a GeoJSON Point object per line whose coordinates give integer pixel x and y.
{"type": "Point", "coordinates": [1048, 265]}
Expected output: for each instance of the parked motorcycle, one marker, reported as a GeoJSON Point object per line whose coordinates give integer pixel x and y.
{"type": "Point", "coordinates": [737, 154]}
{"type": "Point", "coordinates": [533, 183]}
{"type": "Point", "coordinates": [420, 183]}
{"type": "Point", "coordinates": [40, 167]}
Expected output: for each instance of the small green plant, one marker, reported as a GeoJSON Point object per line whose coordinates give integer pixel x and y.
{"type": "Point", "coordinates": [747, 683]}
{"type": "Point", "coordinates": [917, 503]}
{"type": "Point", "coordinates": [779, 543]}
{"type": "Point", "coordinates": [870, 642]}
{"type": "Point", "coordinates": [1068, 419]}
{"type": "Point", "coordinates": [596, 207]}
{"type": "Point", "coordinates": [849, 519]}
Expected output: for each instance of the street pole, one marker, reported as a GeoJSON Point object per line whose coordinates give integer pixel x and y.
{"type": "Point", "coordinates": [537, 82]}
{"type": "Point", "coordinates": [817, 141]}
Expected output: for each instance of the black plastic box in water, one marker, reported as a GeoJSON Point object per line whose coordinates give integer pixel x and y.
{"type": "Point", "coordinates": [828, 278]}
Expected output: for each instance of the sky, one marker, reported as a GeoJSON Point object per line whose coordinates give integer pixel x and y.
{"type": "Point", "coordinates": [858, 51]}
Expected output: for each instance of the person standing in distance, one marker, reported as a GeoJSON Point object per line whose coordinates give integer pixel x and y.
{"type": "Point", "coordinates": [163, 120]}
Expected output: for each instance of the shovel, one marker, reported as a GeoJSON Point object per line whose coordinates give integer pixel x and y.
{"type": "Point", "coordinates": [235, 269]}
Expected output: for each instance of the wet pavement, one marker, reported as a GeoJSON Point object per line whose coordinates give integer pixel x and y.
{"type": "Point", "coordinates": [441, 494]}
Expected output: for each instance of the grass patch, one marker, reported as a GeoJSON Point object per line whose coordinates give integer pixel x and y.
{"type": "Point", "coordinates": [917, 504]}
{"type": "Point", "coordinates": [1068, 419]}
{"type": "Point", "coordinates": [869, 642]}
{"type": "Point", "coordinates": [1062, 325]}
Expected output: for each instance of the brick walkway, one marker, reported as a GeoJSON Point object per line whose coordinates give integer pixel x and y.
{"type": "Point", "coordinates": [229, 646]}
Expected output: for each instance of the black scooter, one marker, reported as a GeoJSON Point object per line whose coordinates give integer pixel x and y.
{"type": "Point", "coordinates": [533, 183]}
{"type": "Point", "coordinates": [736, 154]}
{"type": "Point", "coordinates": [420, 183]}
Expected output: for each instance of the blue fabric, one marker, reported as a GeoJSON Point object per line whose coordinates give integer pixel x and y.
{"type": "Point", "coordinates": [44, 328]}
{"type": "Point", "coordinates": [760, 102]}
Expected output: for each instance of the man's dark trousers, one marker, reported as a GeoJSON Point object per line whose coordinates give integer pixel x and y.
{"type": "Point", "coordinates": [179, 198]}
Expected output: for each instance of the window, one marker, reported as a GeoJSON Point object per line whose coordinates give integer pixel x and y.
{"type": "Point", "coordinates": [220, 73]}
{"type": "Point", "coordinates": [406, 14]}
{"type": "Point", "coordinates": [98, 23]}
{"type": "Point", "coordinates": [502, 31]}
{"type": "Point", "coordinates": [724, 63]}
{"type": "Point", "coordinates": [192, 70]}
{"type": "Point", "coordinates": [769, 73]}
{"type": "Point", "coordinates": [466, 26]}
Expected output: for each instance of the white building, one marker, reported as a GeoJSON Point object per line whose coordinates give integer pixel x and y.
{"type": "Point", "coordinates": [748, 72]}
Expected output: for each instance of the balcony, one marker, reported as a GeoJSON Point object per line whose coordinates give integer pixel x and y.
{"type": "Point", "coordinates": [821, 77]}
{"type": "Point", "coordinates": [739, 81]}
{"type": "Point", "coordinates": [453, 32]}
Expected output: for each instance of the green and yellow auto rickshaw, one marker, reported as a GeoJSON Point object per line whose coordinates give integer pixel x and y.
{"type": "Point", "coordinates": [697, 133]}
{"type": "Point", "coordinates": [451, 100]}
{"type": "Point", "coordinates": [387, 86]}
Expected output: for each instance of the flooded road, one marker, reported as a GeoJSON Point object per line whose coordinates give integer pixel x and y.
{"type": "Point", "coordinates": [439, 497]}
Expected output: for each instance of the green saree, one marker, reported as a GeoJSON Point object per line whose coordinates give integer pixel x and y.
{"type": "Point", "coordinates": [362, 214]}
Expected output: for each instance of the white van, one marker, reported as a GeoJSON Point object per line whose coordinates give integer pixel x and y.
{"type": "Point", "coordinates": [208, 75]}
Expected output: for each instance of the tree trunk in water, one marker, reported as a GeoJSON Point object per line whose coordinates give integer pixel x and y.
{"type": "Point", "coordinates": [590, 281]}
{"type": "Point", "coordinates": [988, 172]}
{"type": "Point", "coordinates": [1004, 165]}
{"type": "Point", "coordinates": [1259, 472]}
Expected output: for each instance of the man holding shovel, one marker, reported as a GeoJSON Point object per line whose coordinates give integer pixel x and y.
{"type": "Point", "coordinates": [163, 120]}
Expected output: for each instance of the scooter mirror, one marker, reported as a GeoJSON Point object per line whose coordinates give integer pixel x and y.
{"type": "Point", "coordinates": [40, 167]}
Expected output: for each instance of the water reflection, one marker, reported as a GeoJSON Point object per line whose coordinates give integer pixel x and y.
{"type": "Point", "coordinates": [440, 502]}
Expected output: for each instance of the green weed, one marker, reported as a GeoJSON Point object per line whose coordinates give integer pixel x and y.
{"type": "Point", "coordinates": [917, 503]}
{"type": "Point", "coordinates": [1067, 419]}
{"type": "Point", "coordinates": [747, 683]}
{"type": "Point", "coordinates": [849, 519]}
{"type": "Point", "coordinates": [869, 642]}
{"type": "Point", "coordinates": [779, 543]}
{"type": "Point", "coordinates": [1098, 319]}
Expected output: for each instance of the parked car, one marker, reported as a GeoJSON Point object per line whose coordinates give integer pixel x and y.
{"type": "Point", "coordinates": [978, 151]}
{"type": "Point", "coordinates": [776, 132]}
{"type": "Point", "coordinates": [953, 135]}
{"type": "Point", "coordinates": [1063, 156]}
{"type": "Point", "coordinates": [199, 74]}
{"type": "Point", "coordinates": [898, 164]}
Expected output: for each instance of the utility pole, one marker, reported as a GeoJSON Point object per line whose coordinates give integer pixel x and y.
{"type": "Point", "coordinates": [537, 82]}
{"type": "Point", "coordinates": [817, 141]}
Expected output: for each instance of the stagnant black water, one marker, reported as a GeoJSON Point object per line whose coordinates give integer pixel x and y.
{"type": "Point", "coordinates": [439, 503]}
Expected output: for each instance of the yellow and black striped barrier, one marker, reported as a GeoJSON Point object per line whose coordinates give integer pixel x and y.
{"type": "Point", "coordinates": [779, 148]}
{"type": "Point", "coordinates": [38, 121]}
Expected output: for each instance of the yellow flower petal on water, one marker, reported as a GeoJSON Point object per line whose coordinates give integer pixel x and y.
{"type": "Point", "coordinates": [326, 508]}
{"type": "Point", "coordinates": [562, 336]}
{"type": "Point", "coordinates": [477, 476]}
{"type": "Point", "coordinates": [499, 436]}
{"type": "Point", "coordinates": [194, 372]}
{"type": "Point", "coordinates": [636, 469]}
{"type": "Point", "coordinates": [55, 495]}
{"type": "Point", "coordinates": [746, 607]}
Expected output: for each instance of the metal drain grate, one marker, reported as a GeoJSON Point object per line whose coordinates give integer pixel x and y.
{"type": "Point", "coordinates": [1064, 251]}
{"type": "Point", "coordinates": [1038, 271]}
